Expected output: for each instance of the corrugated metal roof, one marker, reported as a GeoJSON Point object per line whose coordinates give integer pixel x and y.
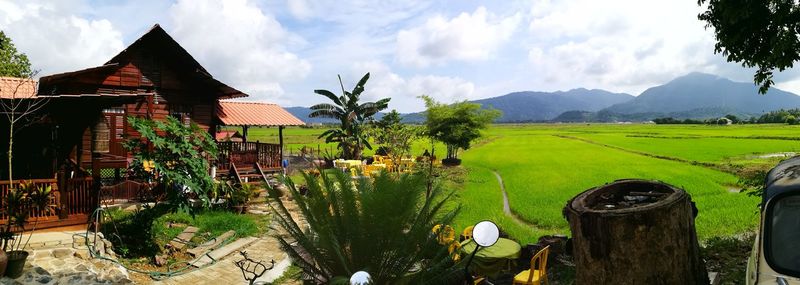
{"type": "Point", "coordinates": [233, 113]}
{"type": "Point", "coordinates": [19, 88]}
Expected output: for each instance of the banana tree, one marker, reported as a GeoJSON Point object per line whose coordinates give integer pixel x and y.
{"type": "Point", "coordinates": [350, 136]}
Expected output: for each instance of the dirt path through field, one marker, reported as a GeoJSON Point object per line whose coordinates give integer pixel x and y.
{"type": "Point", "coordinates": [506, 206]}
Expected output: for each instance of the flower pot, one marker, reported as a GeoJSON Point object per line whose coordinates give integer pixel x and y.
{"type": "Point", "coordinates": [240, 209]}
{"type": "Point", "coordinates": [16, 263]}
{"type": "Point", "coordinates": [451, 162]}
{"type": "Point", "coordinates": [3, 262]}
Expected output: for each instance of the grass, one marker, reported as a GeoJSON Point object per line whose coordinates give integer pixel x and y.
{"type": "Point", "coordinates": [694, 148]}
{"type": "Point", "coordinates": [542, 172]}
{"type": "Point", "coordinates": [290, 276]}
{"type": "Point", "coordinates": [144, 233]}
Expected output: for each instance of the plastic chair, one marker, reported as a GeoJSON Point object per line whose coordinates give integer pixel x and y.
{"type": "Point", "coordinates": [467, 233]}
{"type": "Point", "coordinates": [536, 274]}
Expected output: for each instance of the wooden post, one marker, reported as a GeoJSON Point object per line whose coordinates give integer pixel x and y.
{"type": "Point", "coordinates": [244, 133]}
{"type": "Point", "coordinates": [62, 203]}
{"type": "Point", "coordinates": [280, 143]}
{"type": "Point", "coordinates": [96, 177]}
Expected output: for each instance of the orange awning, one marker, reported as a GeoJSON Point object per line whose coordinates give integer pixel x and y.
{"type": "Point", "coordinates": [233, 113]}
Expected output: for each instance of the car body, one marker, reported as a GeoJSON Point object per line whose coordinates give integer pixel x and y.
{"type": "Point", "coordinates": [775, 258]}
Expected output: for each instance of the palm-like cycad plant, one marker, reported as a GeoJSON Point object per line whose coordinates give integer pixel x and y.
{"type": "Point", "coordinates": [350, 135]}
{"type": "Point", "coordinates": [382, 226]}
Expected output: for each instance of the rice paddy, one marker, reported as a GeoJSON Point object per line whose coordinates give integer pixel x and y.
{"type": "Point", "coordinates": [544, 165]}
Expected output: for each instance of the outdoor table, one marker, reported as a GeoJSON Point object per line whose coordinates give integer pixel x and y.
{"type": "Point", "coordinates": [352, 163]}
{"type": "Point", "coordinates": [491, 261]}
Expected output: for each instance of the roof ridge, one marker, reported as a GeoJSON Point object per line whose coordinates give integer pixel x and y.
{"type": "Point", "coordinates": [248, 102]}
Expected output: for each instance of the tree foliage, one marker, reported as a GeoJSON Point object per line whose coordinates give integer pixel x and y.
{"type": "Point", "coordinates": [382, 226]}
{"type": "Point", "coordinates": [352, 115]}
{"type": "Point", "coordinates": [12, 62]}
{"type": "Point", "coordinates": [394, 137]}
{"type": "Point", "coordinates": [174, 155]}
{"type": "Point", "coordinates": [779, 116]}
{"type": "Point", "coordinates": [456, 125]}
{"type": "Point", "coordinates": [756, 33]}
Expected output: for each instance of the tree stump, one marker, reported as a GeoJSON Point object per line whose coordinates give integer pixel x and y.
{"type": "Point", "coordinates": [635, 232]}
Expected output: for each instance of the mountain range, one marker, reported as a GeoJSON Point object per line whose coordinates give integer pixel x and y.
{"type": "Point", "coordinates": [695, 95]}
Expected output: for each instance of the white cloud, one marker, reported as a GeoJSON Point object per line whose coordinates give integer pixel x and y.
{"type": "Point", "coordinates": [56, 39]}
{"type": "Point", "coordinates": [443, 88]}
{"type": "Point", "coordinates": [619, 45]}
{"type": "Point", "coordinates": [300, 9]}
{"type": "Point", "coordinates": [467, 37]}
{"type": "Point", "coordinates": [240, 44]}
{"type": "Point", "coordinates": [384, 83]}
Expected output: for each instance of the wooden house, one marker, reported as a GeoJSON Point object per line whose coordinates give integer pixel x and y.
{"type": "Point", "coordinates": [154, 77]}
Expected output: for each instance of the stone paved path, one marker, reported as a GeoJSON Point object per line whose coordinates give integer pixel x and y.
{"type": "Point", "coordinates": [73, 266]}
{"type": "Point", "coordinates": [69, 266]}
{"type": "Point", "coordinates": [224, 271]}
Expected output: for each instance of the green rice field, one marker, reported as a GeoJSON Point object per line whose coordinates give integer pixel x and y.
{"type": "Point", "coordinates": [544, 165]}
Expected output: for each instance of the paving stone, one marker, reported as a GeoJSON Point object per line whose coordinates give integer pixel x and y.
{"type": "Point", "coordinates": [184, 237]}
{"type": "Point", "coordinates": [201, 249]}
{"type": "Point", "coordinates": [62, 252]}
{"type": "Point", "coordinates": [219, 253]}
{"type": "Point", "coordinates": [83, 254]}
{"type": "Point", "coordinates": [57, 262]}
{"type": "Point", "coordinates": [44, 279]}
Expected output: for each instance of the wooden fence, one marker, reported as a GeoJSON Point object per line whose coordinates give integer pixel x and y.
{"type": "Point", "coordinates": [76, 200]}
{"type": "Point", "coordinates": [247, 153]}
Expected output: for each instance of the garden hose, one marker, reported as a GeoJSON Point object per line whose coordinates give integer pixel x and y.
{"type": "Point", "coordinates": [156, 275]}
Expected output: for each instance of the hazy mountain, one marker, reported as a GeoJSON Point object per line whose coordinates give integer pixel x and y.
{"type": "Point", "coordinates": [608, 116]}
{"type": "Point", "coordinates": [539, 106]}
{"type": "Point", "coordinates": [700, 91]}
{"type": "Point", "coordinates": [302, 114]}
{"type": "Point", "coordinates": [694, 96]}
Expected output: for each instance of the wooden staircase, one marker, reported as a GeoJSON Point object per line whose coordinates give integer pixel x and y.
{"type": "Point", "coordinates": [250, 174]}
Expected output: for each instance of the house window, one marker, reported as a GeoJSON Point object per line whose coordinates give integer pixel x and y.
{"type": "Point", "coordinates": [114, 110]}
{"type": "Point", "coordinates": [181, 112]}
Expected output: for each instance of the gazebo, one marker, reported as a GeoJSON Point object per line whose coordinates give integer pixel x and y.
{"type": "Point", "coordinates": [246, 158]}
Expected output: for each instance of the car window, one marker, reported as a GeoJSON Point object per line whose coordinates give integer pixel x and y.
{"type": "Point", "coordinates": [785, 233]}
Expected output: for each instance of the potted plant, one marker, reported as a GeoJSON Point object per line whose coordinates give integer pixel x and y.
{"type": "Point", "coordinates": [17, 205]}
{"type": "Point", "coordinates": [240, 196]}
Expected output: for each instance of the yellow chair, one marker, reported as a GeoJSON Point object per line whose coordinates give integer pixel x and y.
{"type": "Point", "coordinates": [536, 274]}
{"type": "Point", "coordinates": [467, 233]}
{"type": "Point", "coordinates": [389, 165]}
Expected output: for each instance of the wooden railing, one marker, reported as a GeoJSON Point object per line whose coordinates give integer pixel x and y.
{"type": "Point", "coordinates": [75, 200]}
{"type": "Point", "coordinates": [40, 214]}
{"type": "Point", "coordinates": [79, 198]}
{"type": "Point", "coordinates": [247, 153]}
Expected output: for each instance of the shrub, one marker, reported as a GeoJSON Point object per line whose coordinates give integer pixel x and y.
{"type": "Point", "coordinates": [173, 154]}
{"type": "Point", "coordinates": [791, 120]}
{"type": "Point", "coordinates": [382, 226]}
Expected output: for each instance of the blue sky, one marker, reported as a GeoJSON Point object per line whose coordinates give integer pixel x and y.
{"type": "Point", "coordinates": [280, 51]}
